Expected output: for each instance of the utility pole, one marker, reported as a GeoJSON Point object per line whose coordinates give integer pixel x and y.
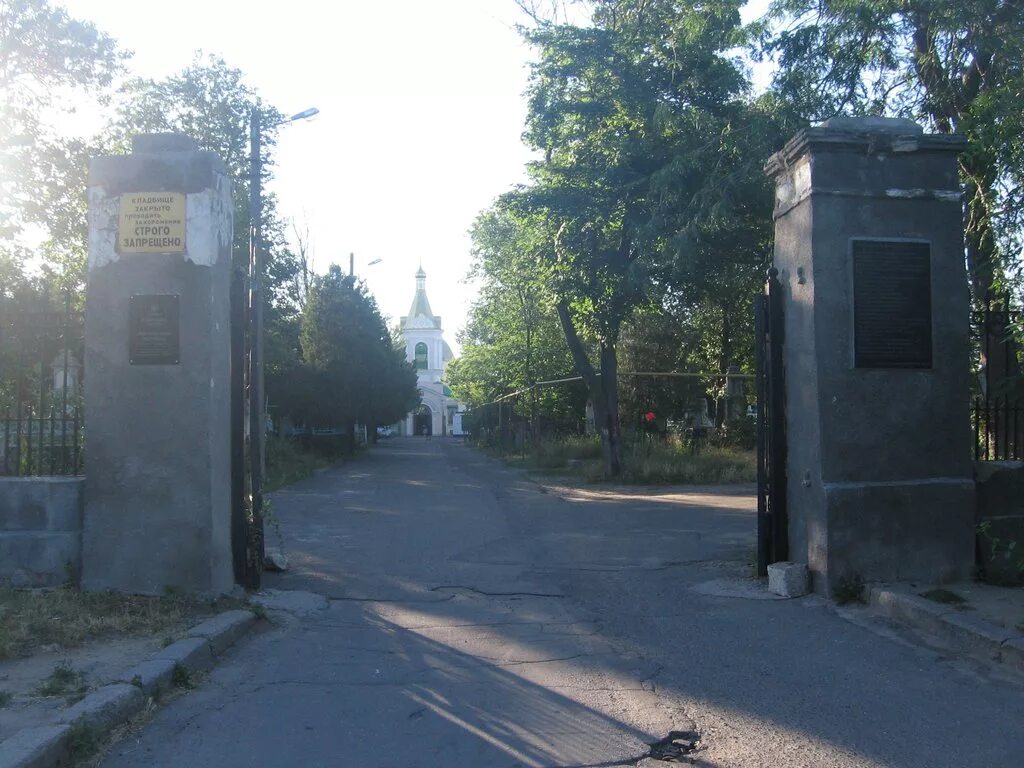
{"type": "Point", "coordinates": [351, 264]}
{"type": "Point", "coordinates": [255, 390]}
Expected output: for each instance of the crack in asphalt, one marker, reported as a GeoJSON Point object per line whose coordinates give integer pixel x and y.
{"type": "Point", "coordinates": [493, 594]}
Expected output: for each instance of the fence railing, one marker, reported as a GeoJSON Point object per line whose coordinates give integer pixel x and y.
{"type": "Point", "coordinates": [41, 350]}
{"type": "Point", "coordinates": [998, 429]}
{"type": "Point", "coordinates": [996, 417]}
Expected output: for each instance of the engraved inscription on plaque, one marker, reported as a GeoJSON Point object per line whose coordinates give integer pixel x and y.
{"type": "Point", "coordinates": [892, 304]}
{"type": "Point", "coordinates": [153, 330]}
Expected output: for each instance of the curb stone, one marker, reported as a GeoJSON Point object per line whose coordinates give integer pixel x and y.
{"type": "Point", "coordinates": [111, 705]}
{"type": "Point", "coordinates": [967, 633]}
{"type": "Point", "coordinates": [39, 747]}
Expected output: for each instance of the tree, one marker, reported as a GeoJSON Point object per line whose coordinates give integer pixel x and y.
{"type": "Point", "coordinates": [47, 59]}
{"type": "Point", "coordinates": [512, 339]}
{"type": "Point", "coordinates": [645, 168]}
{"type": "Point", "coordinates": [352, 371]}
{"type": "Point", "coordinates": [211, 102]}
{"type": "Point", "coordinates": [956, 65]}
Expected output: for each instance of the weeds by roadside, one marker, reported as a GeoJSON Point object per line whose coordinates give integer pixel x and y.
{"type": "Point", "coordinates": [63, 681]}
{"type": "Point", "coordinates": [31, 619]}
{"type": "Point", "coordinates": [645, 462]}
{"type": "Point", "coordinates": [288, 462]}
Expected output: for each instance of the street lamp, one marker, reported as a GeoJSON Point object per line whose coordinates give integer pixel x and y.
{"type": "Point", "coordinates": [257, 414]}
{"type": "Point", "coordinates": [352, 264]}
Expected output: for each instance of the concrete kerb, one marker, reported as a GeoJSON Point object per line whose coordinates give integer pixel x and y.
{"type": "Point", "coordinates": [964, 632]}
{"type": "Point", "coordinates": [112, 705]}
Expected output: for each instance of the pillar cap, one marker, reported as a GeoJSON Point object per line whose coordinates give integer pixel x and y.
{"type": "Point", "coordinates": [863, 135]}
{"type": "Point", "coordinates": [149, 143]}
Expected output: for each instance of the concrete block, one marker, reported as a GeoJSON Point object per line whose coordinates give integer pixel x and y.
{"type": "Point", "coordinates": [224, 630]}
{"type": "Point", "coordinates": [193, 653]}
{"type": "Point", "coordinates": [789, 579]}
{"type": "Point", "coordinates": [106, 707]}
{"type": "Point", "coordinates": [153, 676]}
{"type": "Point", "coordinates": [42, 747]}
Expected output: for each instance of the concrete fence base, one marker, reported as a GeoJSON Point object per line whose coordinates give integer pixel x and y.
{"type": "Point", "coordinates": [40, 531]}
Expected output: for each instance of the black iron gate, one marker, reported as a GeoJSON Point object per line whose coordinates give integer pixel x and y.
{"type": "Point", "coordinates": [772, 524]}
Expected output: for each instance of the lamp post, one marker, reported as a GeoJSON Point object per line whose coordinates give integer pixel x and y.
{"type": "Point", "coordinates": [256, 405]}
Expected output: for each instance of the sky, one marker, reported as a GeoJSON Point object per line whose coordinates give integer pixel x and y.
{"type": "Point", "coordinates": [421, 115]}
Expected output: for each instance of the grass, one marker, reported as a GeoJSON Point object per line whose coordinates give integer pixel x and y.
{"type": "Point", "coordinates": [946, 596]}
{"type": "Point", "coordinates": [68, 618]}
{"type": "Point", "coordinates": [181, 677]}
{"type": "Point", "coordinates": [849, 589]}
{"type": "Point", "coordinates": [63, 681]}
{"type": "Point", "coordinates": [5, 698]}
{"type": "Point", "coordinates": [644, 462]}
{"type": "Point", "coordinates": [288, 462]}
{"type": "Point", "coordinates": [84, 741]}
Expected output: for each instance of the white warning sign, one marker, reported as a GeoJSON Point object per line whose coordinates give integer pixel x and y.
{"type": "Point", "coordinates": [151, 222]}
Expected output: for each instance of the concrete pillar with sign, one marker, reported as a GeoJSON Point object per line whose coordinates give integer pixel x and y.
{"type": "Point", "coordinates": [869, 248]}
{"type": "Point", "coordinates": [157, 371]}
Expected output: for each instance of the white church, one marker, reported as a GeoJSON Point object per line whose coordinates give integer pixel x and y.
{"type": "Point", "coordinates": [438, 413]}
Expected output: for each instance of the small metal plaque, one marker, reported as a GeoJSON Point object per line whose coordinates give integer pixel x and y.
{"type": "Point", "coordinates": [153, 331]}
{"type": "Point", "coordinates": [892, 304]}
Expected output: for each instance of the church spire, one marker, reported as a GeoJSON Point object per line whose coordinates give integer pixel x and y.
{"type": "Point", "coordinates": [421, 306]}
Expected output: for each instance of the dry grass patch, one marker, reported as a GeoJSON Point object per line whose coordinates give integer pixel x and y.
{"type": "Point", "coordinates": [33, 618]}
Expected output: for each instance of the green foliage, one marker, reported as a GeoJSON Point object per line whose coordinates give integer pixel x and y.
{"type": "Point", "coordinates": [47, 60]}
{"type": "Point", "coordinates": [84, 741]}
{"type": "Point", "coordinates": [289, 461]}
{"type": "Point", "coordinates": [183, 677]}
{"type": "Point", "coordinates": [849, 589]}
{"type": "Point", "coordinates": [650, 196]}
{"type": "Point", "coordinates": [5, 698]}
{"type": "Point", "coordinates": [956, 65]}
{"type": "Point", "coordinates": [62, 681]}
{"type": "Point", "coordinates": [351, 369]}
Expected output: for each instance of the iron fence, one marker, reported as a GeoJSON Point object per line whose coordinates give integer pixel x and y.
{"type": "Point", "coordinates": [998, 429]}
{"type": "Point", "coordinates": [693, 408]}
{"type": "Point", "coordinates": [41, 352]}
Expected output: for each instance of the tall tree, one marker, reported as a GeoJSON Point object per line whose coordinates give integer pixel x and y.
{"type": "Point", "coordinates": [637, 117]}
{"type": "Point", "coordinates": [353, 370]}
{"type": "Point", "coordinates": [210, 101]}
{"type": "Point", "coordinates": [48, 60]}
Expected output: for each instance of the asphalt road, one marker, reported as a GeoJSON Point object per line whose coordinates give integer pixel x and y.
{"type": "Point", "coordinates": [463, 615]}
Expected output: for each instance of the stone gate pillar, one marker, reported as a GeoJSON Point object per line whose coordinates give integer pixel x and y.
{"type": "Point", "coordinates": [869, 248]}
{"type": "Point", "coordinates": [157, 371]}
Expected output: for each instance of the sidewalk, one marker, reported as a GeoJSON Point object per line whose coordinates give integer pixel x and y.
{"type": "Point", "coordinates": [63, 702]}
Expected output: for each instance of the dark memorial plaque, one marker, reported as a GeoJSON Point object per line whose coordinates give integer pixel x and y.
{"type": "Point", "coordinates": [153, 330]}
{"type": "Point", "coordinates": [892, 304]}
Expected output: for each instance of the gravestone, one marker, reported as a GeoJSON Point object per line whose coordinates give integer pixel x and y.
{"type": "Point", "coordinates": [157, 371]}
{"type": "Point", "coordinates": [869, 248]}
